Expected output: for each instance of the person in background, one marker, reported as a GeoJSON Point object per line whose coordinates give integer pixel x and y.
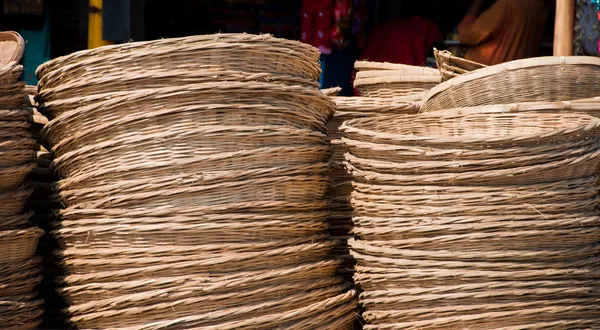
{"type": "Point", "coordinates": [508, 30]}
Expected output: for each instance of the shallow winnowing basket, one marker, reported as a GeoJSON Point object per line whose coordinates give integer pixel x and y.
{"type": "Point", "coordinates": [451, 66]}
{"type": "Point", "coordinates": [528, 80]}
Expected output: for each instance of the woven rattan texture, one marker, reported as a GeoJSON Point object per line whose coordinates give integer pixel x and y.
{"type": "Point", "coordinates": [340, 223]}
{"type": "Point", "coordinates": [388, 80]}
{"type": "Point", "coordinates": [537, 79]}
{"type": "Point", "coordinates": [20, 273]}
{"type": "Point", "coordinates": [481, 220]}
{"type": "Point", "coordinates": [193, 175]}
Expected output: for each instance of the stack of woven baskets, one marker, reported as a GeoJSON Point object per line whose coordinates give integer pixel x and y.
{"type": "Point", "coordinates": [193, 174]}
{"type": "Point", "coordinates": [340, 219]}
{"type": "Point", "coordinates": [481, 221]}
{"type": "Point", "coordinates": [375, 79]}
{"type": "Point", "coordinates": [20, 270]}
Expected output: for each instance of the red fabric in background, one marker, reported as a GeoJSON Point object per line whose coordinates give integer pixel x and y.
{"type": "Point", "coordinates": [404, 42]}
{"type": "Point", "coordinates": [317, 24]}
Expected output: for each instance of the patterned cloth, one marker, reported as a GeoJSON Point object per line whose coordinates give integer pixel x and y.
{"type": "Point", "coordinates": [586, 37]}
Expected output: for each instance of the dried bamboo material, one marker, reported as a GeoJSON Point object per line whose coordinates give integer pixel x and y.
{"type": "Point", "coordinates": [193, 179]}
{"type": "Point", "coordinates": [536, 79]}
{"type": "Point", "coordinates": [451, 66]}
{"type": "Point", "coordinates": [20, 273]}
{"type": "Point", "coordinates": [388, 80]}
{"type": "Point", "coordinates": [449, 236]}
{"type": "Point", "coordinates": [340, 223]}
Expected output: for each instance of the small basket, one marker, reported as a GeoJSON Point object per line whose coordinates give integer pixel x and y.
{"type": "Point", "coordinates": [474, 131]}
{"type": "Point", "coordinates": [12, 204]}
{"type": "Point", "coordinates": [12, 46]}
{"type": "Point", "coordinates": [19, 244]}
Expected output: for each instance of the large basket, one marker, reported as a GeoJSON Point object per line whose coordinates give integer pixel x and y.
{"type": "Point", "coordinates": [528, 80]}
{"type": "Point", "coordinates": [238, 52]}
{"type": "Point", "coordinates": [474, 131]}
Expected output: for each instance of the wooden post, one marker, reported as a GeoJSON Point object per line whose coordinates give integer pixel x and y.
{"type": "Point", "coordinates": [563, 27]}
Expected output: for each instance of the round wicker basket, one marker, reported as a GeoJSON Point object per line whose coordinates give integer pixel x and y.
{"type": "Point", "coordinates": [528, 80]}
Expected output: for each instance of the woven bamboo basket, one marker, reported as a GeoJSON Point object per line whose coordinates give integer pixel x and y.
{"type": "Point", "coordinates": [122, 81]}
{"type": "Point", "coordinates": [528, 80]}
{"type": "Point", "coordinates": [193, 176]}
{"type": "Point", "coordinates": [362, 66]}
{"type": "Point", "coordinates": [395, 86]}
{"type": "Point", "coordinates": [263, 104]}
{"type": "Point", "coordinates": [451, 231]}
{"type": "Point", "coordinates": [451, 66]}
{"type": "Point", "coordinates": [100, 290]}
{"type": "Point", "coordinates": [239, 52]}
{"type": "Point", "coordinates": [260, 315]}
{"type": "Point", "coordinates": [421, 71]}
{"type": "Point", "coordinates": [339, 219]}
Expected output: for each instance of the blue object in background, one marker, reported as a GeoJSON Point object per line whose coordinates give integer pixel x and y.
{"type": "Point", "coordinates": [336, 70]}
{"type": "Point", "coordinates": [37, 50]}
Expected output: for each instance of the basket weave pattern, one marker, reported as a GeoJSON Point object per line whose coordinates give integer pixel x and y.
{"type": "Point", "coordinates": [387, 80]}
{"type": "Point", "coordinates": [193, 178]}
{"type": "Point", "coordinates": [340, 223]}
{"type": "Point", "coordinates": [20, 271]}
{"type": "Point", "coordinates": [448, 236]}
{"type": "Point", "coordinates": [544, 79]}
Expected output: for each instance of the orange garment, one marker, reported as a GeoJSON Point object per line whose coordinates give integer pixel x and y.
{"type": "Point", "coordinates": [508, 30]}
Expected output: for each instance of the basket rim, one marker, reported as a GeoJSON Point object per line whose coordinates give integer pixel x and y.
{"type": "Point", "coordinates": [365, 64]}
{"type": "Point", "coordinates": [397, 79]}
{"type": "Point", "coordinates": [396, 72]}
{"type": "Point", "coordinates": [591, 124]}
{"type": "Point", "coordinates": [225, 38]}
{"type": "Point", "coordinates": [511, 66]}
{"type": "Point", "coordinates": [583, 105]}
